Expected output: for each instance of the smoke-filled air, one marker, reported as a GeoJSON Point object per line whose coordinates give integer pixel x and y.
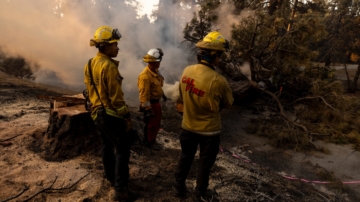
{"type": "Point", "coordinates": [56, 34]}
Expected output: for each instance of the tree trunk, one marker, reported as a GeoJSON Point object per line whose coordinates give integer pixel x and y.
{"type": "Point", "coordinates": [70, 132]}
{"type": "Point", "coordinates": [252, 69]}
{"type": "Point", "coordinates": [292, 15]}
{"type": "Point", "coordinates": [249, 57]}
{"type": "Point", "coordinates": [273, 6]}
{"type": "Point", "coordinates": [356, 78]}
{"type": "Point", "coordinates": [243, 92]}
{"type": "Point", "coordinates": [347, 77]}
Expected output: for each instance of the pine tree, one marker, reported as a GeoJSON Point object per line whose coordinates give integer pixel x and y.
{"type": "Point", "coordinates": [343, 27]}
{"type": "Point", "coordinates": [281, 40]}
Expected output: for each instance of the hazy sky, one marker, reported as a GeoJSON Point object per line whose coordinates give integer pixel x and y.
{"type": "Point", "coordinates": [148, 6]}
{"type": "Point", "coordinates": [56, 35]}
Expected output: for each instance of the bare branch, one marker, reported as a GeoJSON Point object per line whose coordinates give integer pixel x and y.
{"type": "Point", "coordinates": [17, 195]}
{"type": "Point", "coordinates": [312, 143]}
{"type": "Point", "coordinates": [323, 99]}
{"type": "Point", "coordinates": [347, 76]}
{"type": "Point", "coordinates": [317, 134]}
{"type": "Point", "coordinates": [286, 122]}
{"type": "Point", "coordinates": [190, 38]}
{"type": "Point", "coordinates": [327, 53]}
{"type": "Point", "coordinates": [56, 189]}
{"type": "Point", "coordinates": [10, 138]}
{"type": "Point", "coordinates": [71, 186]}
{"type": "Point", "coordinates": [292, 15]}
{"type": "Point", "coordinates": [281, 109]}
{"type": "Point", "coordinates": [48, 188]}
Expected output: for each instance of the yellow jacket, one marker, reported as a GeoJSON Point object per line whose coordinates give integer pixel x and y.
{"type": "Point", "coordinates": [108, 82]}
{"type": "Point", "coordinates": [149, 85]}
{"type": "Point", "coordinates": [203, 93]}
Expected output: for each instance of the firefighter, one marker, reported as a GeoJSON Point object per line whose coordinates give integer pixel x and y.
{"type": "Point", "coordinates": [150, 83]}
{"type": "Point", "coordinates": [109, 110]}
{"type": "Point", "coordinates": [203, 93]}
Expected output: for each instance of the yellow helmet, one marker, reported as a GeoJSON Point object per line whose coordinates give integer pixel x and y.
{"type": "Point", "coordinates": [153, 55]}
{"type": "Point", "coordinates": [105, 34]}
{"type": "Point", "coordinates": [213, 41]}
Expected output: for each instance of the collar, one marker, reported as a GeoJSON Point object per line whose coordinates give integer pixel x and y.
{"type": "Point", "coordinates": [151, 72]}
{"type": "Point", "coordinates": [100, 54]}
{"type": "Point", "coordinates": [203, 62]}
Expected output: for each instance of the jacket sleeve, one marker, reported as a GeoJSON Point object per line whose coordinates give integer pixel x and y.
{"type": "Point", "coordinates": [227, 97]}
{"type": "Point", "coordinates": [86, 76]}
{"type": "Point", "coordinates": [144, 90]}
{"type": "Point", "coordinates": [180, 99]}
{"type": "Point", "coordinates": [113, 80]}
{"type": "Point", "coordinates": [179, 102]}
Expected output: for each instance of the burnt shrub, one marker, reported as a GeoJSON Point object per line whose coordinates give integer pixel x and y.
{"type": "Point", "coordinates": [18, 67]}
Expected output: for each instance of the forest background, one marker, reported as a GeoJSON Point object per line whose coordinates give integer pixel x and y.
{"type": "Point", "coordinates": [290, 48]}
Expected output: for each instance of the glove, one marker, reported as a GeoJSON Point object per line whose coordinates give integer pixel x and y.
{"type": "Point", "coordinates": [141, 108]}
{"type": "Point", "coordinates": [164, 97]}
{"type": "Point", "coordinates": [180, 108]}
{"type": "Point", "coordinates": [149, 112]}
{"type": "Point", "coordinates": [129, 124]}
{"type": "Point", "coordinates": [254, 84]}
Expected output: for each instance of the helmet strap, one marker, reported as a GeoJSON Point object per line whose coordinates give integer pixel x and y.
{"type": "Point", "coordinates": [208, 58]}
{"type": "Point", "coordinates": [207, 64]}
{"type": "Point", "coordinates": [101, 47]}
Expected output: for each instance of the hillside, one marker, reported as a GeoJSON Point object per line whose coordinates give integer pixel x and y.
{"type": "Point", "coordinates": [247, 168]}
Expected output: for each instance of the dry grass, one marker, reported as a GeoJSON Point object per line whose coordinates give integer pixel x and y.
{"type": "Point", "coordinates": [9, 80]}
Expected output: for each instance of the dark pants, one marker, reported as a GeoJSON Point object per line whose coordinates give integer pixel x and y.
{"type": "Point", "coordinates": [152, 123]}
{"type": "Point", "coordinates": [209, 148]}
{"type": "Point", "coordinates": [113, 136]}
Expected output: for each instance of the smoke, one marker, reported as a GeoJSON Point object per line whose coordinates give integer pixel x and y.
{"type": "Point", "coordinates": [55, 34]}
{"type": "Point", "coordinates": [227, 19]}
{"type": "Point", "coordinates": [225, 22]}
{"type": "Point", "coordinates": [172, 91]}
{"type": "Point", "coordinates": [245, 69]}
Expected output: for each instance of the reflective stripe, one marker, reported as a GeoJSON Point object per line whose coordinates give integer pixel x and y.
{"type": "Point", "coordinates": [112, 113]}
{"type": "Point", "coordinates": [108, 111]}
{"type": "Point", "coordinates": [122, 111]}
{"type": "Point", "coordinates": [207, 133]}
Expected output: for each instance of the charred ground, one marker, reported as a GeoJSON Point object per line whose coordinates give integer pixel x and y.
{"type": "Point", "coordinates": [27, 175]}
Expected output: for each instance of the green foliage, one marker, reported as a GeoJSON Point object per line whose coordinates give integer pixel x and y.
{"type": "Point", "coordinates": [202, 22]}
{"type": "Point", "coordinates": [278, 133]}
{"type": "Point", "coordinates": [283, 44]}
{"type": "Point", "coordinates": [274, 50]}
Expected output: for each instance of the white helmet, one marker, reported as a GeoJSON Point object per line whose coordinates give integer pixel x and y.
{"type": "Point", "coordinates": [153, 55]}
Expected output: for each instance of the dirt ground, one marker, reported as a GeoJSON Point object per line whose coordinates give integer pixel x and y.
{"type": "Point", "coordinates": [246, 169]}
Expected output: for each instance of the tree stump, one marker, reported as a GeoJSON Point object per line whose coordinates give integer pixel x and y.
{"type": "Point", "coordinates": [71, 131]}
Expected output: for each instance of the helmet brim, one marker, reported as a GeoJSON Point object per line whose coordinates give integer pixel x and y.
{"type": "Point", "coordinates": [218, 46]}
{"type": "Point", "coordinates": [151, 60]}
{"type": "Point", "coordinates": [114, 40]}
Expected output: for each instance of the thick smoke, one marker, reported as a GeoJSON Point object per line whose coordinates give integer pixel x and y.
{"type": "Point", "coordinates": [227, 19]}
{"type": "Point", "coordinates": [56, 35]}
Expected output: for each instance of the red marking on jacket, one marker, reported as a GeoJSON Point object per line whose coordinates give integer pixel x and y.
{"type": "Point", "coordinates": [190, 86]}
{"type": "Point", "coordinates": [188, 81]}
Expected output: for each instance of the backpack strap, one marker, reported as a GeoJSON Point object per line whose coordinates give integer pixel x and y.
{"type": "Point", "coordinates": [93, 83]}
